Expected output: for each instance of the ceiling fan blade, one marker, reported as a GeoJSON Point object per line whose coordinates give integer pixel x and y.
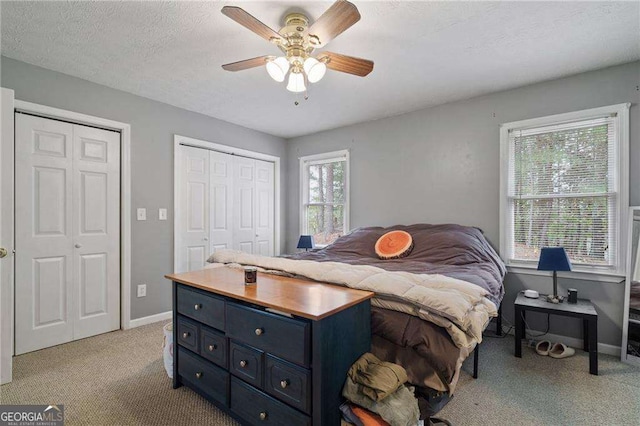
{"type": "Point", "coordinates": [248, 21]}
{"type": "Point", "coordinates": [247, 63]}
{"type": "Point", "coordinates": [348, 64]}
{"type": "Point", "coordinates": [333, 22]}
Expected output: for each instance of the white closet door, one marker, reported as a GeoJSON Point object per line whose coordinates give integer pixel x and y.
{"type": "Point", "coordinates": [44, 233]}
{"type": "Point", "coordinates": [221, 171]}
{"type": "Point", "coordinates": [244, 233]}
{"type": "Point", "coordinates": [96, 225]}
{"type": "Point", "coordinates": [67, 232]}
{"type": "Point", "coordinates": [194, 223]}
{"type": "Point", "coordinates": [264, 210]}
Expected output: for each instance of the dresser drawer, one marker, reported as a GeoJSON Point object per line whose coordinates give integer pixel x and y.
{"type": "Point", "coordinates": [207, 378]}
{"type": "Point", "coordinates": [246, 363]}
{"type": "Point", "coordinates": [285, 337]}
{"type": "Point", "coordinates": [188, 334]}
{"type": "Point", "coordinates": [213, 346]}
{"type": "Point", "coordinates": [200, 306]}
{"type": "Point", "coordinates": [257, 408]}
{"type": "Point", "coordinates": [288, 382]}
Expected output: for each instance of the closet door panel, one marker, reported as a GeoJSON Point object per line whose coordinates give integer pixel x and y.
{"type": "Point", "coordinates": [96, 224]}
{"type": "Point", "coordinates": [44, 233]}
{"type": "Point", "coordinates": [244, 233]}
{"type": "Point", "coordinates": [195, 207]}
{"type": "Point", "coordinates": [221, 200]}
{"type": "Point", "coordinates": [264, 207]}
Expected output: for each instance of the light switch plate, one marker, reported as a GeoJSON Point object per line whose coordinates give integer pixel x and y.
{"type": "Point", "coordinates": [142, 290]}
{"type": "Point", "coordinates": [162, 214]}
{"type": "Point", "coordinates": [142, 214]}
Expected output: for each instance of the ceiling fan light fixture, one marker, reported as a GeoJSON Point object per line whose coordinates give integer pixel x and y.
{"type": "Point", "coordinates": [296, 82]}
{"type": "Point", "coordinates": [278, 68]}
{"type": "Point", "coordinates": [315, 69]}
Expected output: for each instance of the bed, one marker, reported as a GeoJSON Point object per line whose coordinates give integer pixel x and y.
{"type": "Point", "coordinates": [424, 346]}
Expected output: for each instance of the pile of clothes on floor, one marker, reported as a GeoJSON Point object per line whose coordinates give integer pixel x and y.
{"type": "Point", "coordinates": [377, 395]}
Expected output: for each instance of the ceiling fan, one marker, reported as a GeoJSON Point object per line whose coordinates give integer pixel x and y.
{"type": "Point", "coordinates": [297, 40]}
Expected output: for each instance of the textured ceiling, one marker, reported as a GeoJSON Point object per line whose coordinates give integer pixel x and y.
{"type": "Point", "coordinates": [425, 53]}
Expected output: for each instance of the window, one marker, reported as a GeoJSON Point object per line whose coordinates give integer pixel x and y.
{"type": "Point", "coordinates": [564, 182]}
{"type": "Point", "coordinates": [325, 196]}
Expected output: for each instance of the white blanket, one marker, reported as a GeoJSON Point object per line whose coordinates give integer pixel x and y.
{"type": "Point", "coordinates": [458, 306]}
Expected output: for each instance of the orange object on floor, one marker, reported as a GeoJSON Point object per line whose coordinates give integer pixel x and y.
{"type": "Point", "coordinates": [367, 417]}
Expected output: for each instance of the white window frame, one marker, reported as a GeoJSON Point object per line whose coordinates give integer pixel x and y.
{"type": "Point", "coordinates": [327, 157]}
{"type": "Point", "coordinates": [621, 113]}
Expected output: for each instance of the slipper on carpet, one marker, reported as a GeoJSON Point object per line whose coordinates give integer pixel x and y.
{"type": "Point", "coordinates": [560, 350]}
{"type": "Point", "coordinates": [542, 348]}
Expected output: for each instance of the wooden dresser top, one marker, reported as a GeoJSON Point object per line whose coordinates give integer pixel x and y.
{"type": "Point", "coordinates": [307, 299]}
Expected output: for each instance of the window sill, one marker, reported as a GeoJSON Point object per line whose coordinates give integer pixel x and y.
{"type": "Point", "coordinates": [575, 275]}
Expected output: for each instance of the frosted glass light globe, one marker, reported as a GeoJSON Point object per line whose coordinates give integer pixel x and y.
{"type": "Point", "coordinates": [296, 82]}
{"type": "Point", "coordinates": [278, 68]}
{"type": "Point", "coordinates": [315, 69]}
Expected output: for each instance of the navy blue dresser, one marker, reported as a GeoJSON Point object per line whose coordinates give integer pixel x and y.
{"type": "Point", "coordinates": [274, 353]}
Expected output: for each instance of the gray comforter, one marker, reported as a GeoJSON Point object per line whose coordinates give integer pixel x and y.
{"type": "Point", "coordinates": [455, 251]}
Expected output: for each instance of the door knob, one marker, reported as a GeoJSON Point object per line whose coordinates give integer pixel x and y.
{"type": "Point", "coordinates": [3, 252]}
{"type": "Point", "coordinates": [78, 245]}
{"type": "Point", "coordinates": [205, 239]}
{"type": "Point", "coordinates": [243, 363]}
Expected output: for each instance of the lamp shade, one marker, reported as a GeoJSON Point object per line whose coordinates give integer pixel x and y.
{"type": "Point", "coordinates": [315, 69]}
{"type": "Point", "coordinates": [296, 82]}
{"type": "Point", "coordinates": [278, 68]}
{"type": "Point", "coordinates": [305, 242]}
{"type": "Point", "coordinates": [553, 259]}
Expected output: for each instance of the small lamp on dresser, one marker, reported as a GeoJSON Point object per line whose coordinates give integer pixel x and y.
{"type": "Point", "coordinates": [554, 259]}
{"type": "Point", "coordinates": [305, 242]}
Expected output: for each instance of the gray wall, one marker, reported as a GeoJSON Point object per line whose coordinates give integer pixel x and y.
{"type": "Point", "coordinates": [441, 165]}
{"type": "Point", "coordinates": [153, 125]}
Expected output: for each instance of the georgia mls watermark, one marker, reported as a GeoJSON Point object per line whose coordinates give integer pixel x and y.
{"type": "Point", "coordinates": [31, 415]}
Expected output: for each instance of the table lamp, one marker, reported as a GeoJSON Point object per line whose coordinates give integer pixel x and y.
{"type": "Point", "coordinates": [554, 259]}
{"type": "Point", "coordinates": [305, 242]}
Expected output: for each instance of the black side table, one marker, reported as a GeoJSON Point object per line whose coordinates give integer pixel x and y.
{"type": "Point", "coordinates": [584, 309]}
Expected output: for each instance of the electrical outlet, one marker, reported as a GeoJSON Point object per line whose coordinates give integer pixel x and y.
{"type": "Point", "coordinates": [142, 214]}
{"type": "Point", "coordinates": [162, 214]}
{"type": "Point", "coordinates": [142, 290]}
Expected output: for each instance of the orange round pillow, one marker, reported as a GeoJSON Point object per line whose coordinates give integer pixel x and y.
{"type": "Point", "coordinates": [394, 245]}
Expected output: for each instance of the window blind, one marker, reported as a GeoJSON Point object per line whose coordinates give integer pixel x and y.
{"type": "Point", "coordinates": [563, 191]}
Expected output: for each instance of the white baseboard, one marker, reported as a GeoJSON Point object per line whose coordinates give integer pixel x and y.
{"type": "Point", "coordinates": [163, 316]}
{"type": "Point", "coordinates": [574, 342]}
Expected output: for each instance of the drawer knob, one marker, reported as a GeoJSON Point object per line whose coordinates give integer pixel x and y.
{"type": "Point", "coordinates": [213, 348]}
{"type": "Point", "coordinates": [259, 331]}
{"type": "Point", "coordinates": [186, 334]}
{"type": "Point", "coordinates": [243, 363]}
{"type": "Point", "coordinates": [198, 375]}
{"type": "Point", "coordinates": [263, 415]}
{"type": "Point", "coordinates": [197, 306]}
{"type": "Point", "coordinates": [284, 383]}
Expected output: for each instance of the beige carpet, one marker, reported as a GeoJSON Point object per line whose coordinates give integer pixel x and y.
{"type": "Point", "coordinates": [119, 379]}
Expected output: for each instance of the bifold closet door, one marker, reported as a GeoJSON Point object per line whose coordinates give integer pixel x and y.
{"type": "Point", "coordinates": [254, 193]}
{"type": "Point", "coordinates": [244, 232]}
{"type": "Point", "coordinates": [264, 208]}
{"type": "Point", "coordinates": [96, 228]}
{"type": "Point", "coordinates": [226, 202]}
{"type": "Point", "coordinates": [195, 206]}
{"type": "Point", "coordinates": [67, 278]}
{"type": "Point", "coordinates": [221, 190]}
